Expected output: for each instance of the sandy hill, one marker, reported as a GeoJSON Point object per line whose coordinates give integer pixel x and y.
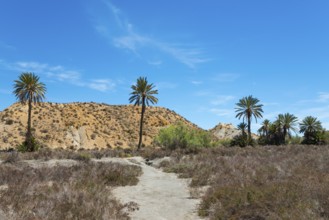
{"type": "Point", "coordinates": [84, 125]}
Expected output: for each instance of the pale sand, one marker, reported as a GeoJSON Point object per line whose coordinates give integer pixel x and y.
{"type": "Point", "coordinates": [159, 195]}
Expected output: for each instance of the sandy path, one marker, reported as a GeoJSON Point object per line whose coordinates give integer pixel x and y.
{"type": "Point", "coordinates": [159, 195]}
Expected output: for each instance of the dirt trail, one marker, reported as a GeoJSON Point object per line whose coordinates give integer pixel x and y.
{"type": "Point", "coordinates": [159, 195]}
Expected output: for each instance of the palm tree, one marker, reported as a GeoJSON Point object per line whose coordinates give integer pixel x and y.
{"type": "Point", "coordinates": [143, 94]}
{"type": "Point", "coordinates": [265, 128]}
{"type": "Point", "coordinates": [241, 139]}
{"type": "Point", "coordinates": [310, 126]}
{"type": "Point", "coordinates": [242, 127]}
{"type": "Point", "coordinates": [248, 107]}
{"type": "Point", "coordinates": [288, 123]}
{"type": "Point", "coordinates": [28, 89]}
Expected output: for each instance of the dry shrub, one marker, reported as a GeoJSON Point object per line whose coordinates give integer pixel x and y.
{"type": "Point", "coordinates": [81, 191]}
{"type": "Point", "coordinates": [274, 182]}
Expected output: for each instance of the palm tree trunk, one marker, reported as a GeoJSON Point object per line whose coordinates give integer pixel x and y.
{"type": "Point", "coordinates": [284, 135]}
{"type": "Point", "coordinates": [28, 139]}
{"type": "Point", "coordinates": [249, 130]}
{"type": "Point", "coordinates": [141, 124]}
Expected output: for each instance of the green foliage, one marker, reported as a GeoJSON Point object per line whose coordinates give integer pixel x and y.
{"type": "Point", "coordinates": [28, 87]}
{"type": "Point", "coordinates": [242, 140]}
{"type": "Point", "coordinates": [313, 131]}
{"type": "Point", "coordinates": [181, 136]}
{"type": "Point", "coordinates": [143, 92]}
{"type": "Point", "coordinates": [24, 147]}
{"type": "Point", "coordinates": [224, 142]}
{"type": "Point", "coordinates": [295, 140]}
{"type": "Point", "coordinates": [279, 131]}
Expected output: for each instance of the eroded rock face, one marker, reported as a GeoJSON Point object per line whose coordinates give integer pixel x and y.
{"type": "Point", "coordinates": [227, 131]}
{"type": "Point", "coordinates": [84, 125]}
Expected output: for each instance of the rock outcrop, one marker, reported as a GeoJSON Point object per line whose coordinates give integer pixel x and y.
{"type": "Point", "coordinates": [227, 131]}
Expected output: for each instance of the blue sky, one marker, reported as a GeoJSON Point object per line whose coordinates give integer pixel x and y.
{"type": "Point", "coordinates": [203, 56]}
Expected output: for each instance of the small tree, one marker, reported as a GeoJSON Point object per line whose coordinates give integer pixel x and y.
{"type": "Point", "coordinates": [142, 94]}
{"type": "Point", "coordinates": [241, 139]}
{"type": "Point", "coordinates": [264, 132]}
{"type": "Point", "coordinates": [181, 136]}
{"type": "Point", "coordinates": [288, 122]}
{"type": "Point", "coordinates": [28, 89]}
{"type": "Point", "coordinates": [312, 130]}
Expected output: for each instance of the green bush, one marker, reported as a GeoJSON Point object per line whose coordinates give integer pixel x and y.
{"type": "Point", "coordinates": [25, 148]}
{"type": "Point", "coordinates": [181, 136]}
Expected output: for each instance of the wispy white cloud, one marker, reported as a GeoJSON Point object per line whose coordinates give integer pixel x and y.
{"type": "Point", "coordinates": [155, 62]}
{"type": "Point", "coordinates": [270, 103]}
{"type": "Point", "coordinates": [126, 37]}
{"type": "Point", "coordinates": [222, 112]}
{"type": "Point", "coordinates": [60, 74]}
{"type": "Point", "coordinates": [166, 85]}
{"type": "Point", "coordinates": [321, 112]}
{"type": "Point", "coordinates": [226, 77]}
{"type": "Point", "coordinates": [323, 97]}
{"type": "Point", "coordinates": [102, 85]}
{"type": "Point", "coordinates": [204, 93]}
{"type": "Point", "coordinates": [222, 99]}
{"type": "Point", "coordinates": [196, 82]}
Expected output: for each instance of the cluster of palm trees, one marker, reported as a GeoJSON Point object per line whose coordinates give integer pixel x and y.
{"type": "Point", "coordinates": [28, 89]}
{"type": "Point", "coordinates": [279, 131]}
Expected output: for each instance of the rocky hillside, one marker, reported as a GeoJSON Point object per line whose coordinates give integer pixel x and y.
{"type": "Point", "coordinates": [227, 131]}
{"type": "Point", "coordinates": [84, 125]}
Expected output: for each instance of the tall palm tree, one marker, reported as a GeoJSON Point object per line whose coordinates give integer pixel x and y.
{"type": "Point", "coordinates": [143, 94]}
{"type": "Point", "coordinates": [248, 107]}
{"type": "Point", "coordinates": [310, 126]}
{"type": "Point", "coordinates": [28, 89]}
{"type": "Point", "coordinates": [288, 123]}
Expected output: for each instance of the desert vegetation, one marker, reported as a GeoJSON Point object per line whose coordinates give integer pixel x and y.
{"type": "Point", "coordinates": [78, 189]}
{"type": "Point", "coordinates": [274, 182]}
{"type": "Point", "coordinates": [180, 136]}
{"type": "Point", "coordinates": [272, 176]}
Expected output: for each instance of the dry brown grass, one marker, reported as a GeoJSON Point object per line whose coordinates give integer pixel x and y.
{"type": "Point", "coordinates": [288, 182]}
{"type": "Point", "coordinates": [81, 191]}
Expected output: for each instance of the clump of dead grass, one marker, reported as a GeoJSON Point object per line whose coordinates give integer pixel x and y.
{"type": "Point", "coordinates": [81, 191]}
{"type": "Point", "coordinates": [274, 182]}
